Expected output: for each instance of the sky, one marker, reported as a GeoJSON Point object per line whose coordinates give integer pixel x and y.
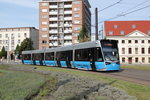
{"type": "Point", "coordinates": [25, 13]}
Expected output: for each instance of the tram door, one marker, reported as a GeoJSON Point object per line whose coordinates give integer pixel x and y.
{"type": "Point", "coordinates": [92, 56]}
{"type": "Point", "coordinates": [58, 59]}
{"type": "Point", "coordinates": [69, 55]}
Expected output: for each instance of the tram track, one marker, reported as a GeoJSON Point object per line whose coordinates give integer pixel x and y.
{"type": "Point", "coordinates": [132, 75]}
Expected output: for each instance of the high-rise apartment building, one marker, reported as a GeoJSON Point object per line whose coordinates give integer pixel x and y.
{"type": "Point", "coordinates": [61, 21]}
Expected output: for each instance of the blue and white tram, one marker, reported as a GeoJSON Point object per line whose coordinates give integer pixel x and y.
{"type": "Point", "coordinates": [100, 55]}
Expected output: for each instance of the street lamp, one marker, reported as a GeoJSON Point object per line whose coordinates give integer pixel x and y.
{"type": "Point", "coordinates": [8, 51]}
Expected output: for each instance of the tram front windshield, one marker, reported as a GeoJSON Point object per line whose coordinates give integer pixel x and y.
{"type": "Point", "coordinates": [110, 50]}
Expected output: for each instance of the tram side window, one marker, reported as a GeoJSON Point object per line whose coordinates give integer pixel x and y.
{"type": "Point", "coordinates": [27, 57]}
{"type": "Point", "coordinates": [61, 56]}
{"type": "Point", "coordinates": [49, 56]}
{"type": "Point", "coordinates": [42, 56]}
{"type": "Point", "coordinates": [69, 55]}
{"type": "Point", "coordinates": [38, 56]}
{"type": "Point", "coordinates": [82, 55]}
{"type": "Point", "coordinates": [89, 54]}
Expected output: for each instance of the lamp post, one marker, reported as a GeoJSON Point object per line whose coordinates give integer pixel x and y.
{"type": "Point", "coordinates": [8, 51]}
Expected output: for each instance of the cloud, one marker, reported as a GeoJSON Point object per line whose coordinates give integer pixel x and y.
{"type": "Point", "coordinates": [25, 3]}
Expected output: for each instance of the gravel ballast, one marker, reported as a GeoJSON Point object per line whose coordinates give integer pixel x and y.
{"type": "Point", "coordinates": [74, 87]}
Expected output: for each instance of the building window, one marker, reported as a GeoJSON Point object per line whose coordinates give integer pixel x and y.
{"type": "Point", "coordinates": [143, 60]}
{"type": "Point", "coordinates": [76, 34]}
{"type": "Point", "coordinates": [18, 41]}
{"type": "Point", "coordinates": [0, 41]}
{"type": "Point", "coordinates": [44, 16]}
{"type": "Point", "coordinates": [44, 36]}
{"type": "Point", "coordinates": [133, 26]}
{"type": "Point", "coordinates": [149, 59]}
{"type": "Point", "coordinates": [115, 26]}
{"type": "Point", "coordinates": [18, 35]}
{"type": "Point", "coordinates": [143, 50]}
{"type": "Point", "coordinates": [123, 41]}
{"type": "Point", "coordinates": [111, 33]}
{"type": "Point", "coordinates": [44, 23]}
{"type": "Point", "coordinates": [76, 9]}
{"type": "Point", "coordinates": [148, 41]}
{"type": "Point", "coordinates": [136, 41]}
{"type": "Point", "coordinates": [44, 10]}
{"type": "Point", "coordinates": [76, 2]}
{"type": "Point", "coordinates": [76, 15]}
{"type": "Point", "coordinates": [121, 32]}
{"type": "Point", "coordinates": [123, 60]}
{"type": "Point", "coordinates": [77, 22]}
{"type": "Point", "coordinates": [143, 41]}
{"type": "Point", "coordinates": [130, 50]}
{"type": "Point", "coordinates": [44, 29]}
{"type": "Point", "coordinates": [12, 35]}
{"type": "Point", "coordinates": [148, 32]}
{"type": "Point", "coordinates": [0, 35]}
{"type": "Point", "coordinates": [44, 4]}
{"type": "Point", "coordinates": [136, 50]}
{"type": "Point", "coordinates": [6, 35]}
{"type": "Point", "coordinates": [44, 42]}
{"type": "Point", "coordinates": [25, 34]}
{"type": "Point", "coordinates": [149, 50]}
{"type": "Point", "coordinates": [76, 28]}
{"type": "Point", "coordinates": [136, 60]}
{"type": "Point", "coordinates": [129, 41]}
{"type": "Point", "coordinates": [123, 50]}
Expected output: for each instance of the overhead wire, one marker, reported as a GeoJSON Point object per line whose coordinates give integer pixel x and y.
{"type": "Point", "coordinates": [109, 6]}
{"type": "Point", "coordinates": [121, 15]}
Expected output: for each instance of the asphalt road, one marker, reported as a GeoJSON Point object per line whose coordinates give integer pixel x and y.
{"type": "Point", "coordinates": [133, 75]}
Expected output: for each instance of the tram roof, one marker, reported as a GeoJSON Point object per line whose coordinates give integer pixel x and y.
{"type": "Point", "coordinates": [65, 48]}
{"type": "Point", "coordinates": [50, 50]}
{"type": "Point", "coordinates": [87, 45]}
{"type": "Point", "coordinates": [26, 52]}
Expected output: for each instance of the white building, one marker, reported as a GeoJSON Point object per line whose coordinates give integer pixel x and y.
{"type": "Point", "coordinates": [11, 37]}
{"type": "Point", "coordinates": [134, 48]}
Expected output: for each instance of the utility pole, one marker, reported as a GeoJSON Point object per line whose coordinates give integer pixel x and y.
{"type": "Point", "coordinates": [8, 51]}
{"type": "Point", "coordinates": [96, 23]}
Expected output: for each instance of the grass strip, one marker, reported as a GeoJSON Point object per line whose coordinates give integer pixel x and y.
{"type": "Point", "coordinates": [136, 67]}
{"type": "Point", "coordinates": [19, 85]}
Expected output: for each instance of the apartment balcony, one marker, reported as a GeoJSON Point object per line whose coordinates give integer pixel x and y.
{"type": "Point", "coordinates": [53, 25]}
{"type": "Point", "coordinates": [67, 6]}
{"type": "Point", "coordinates": [68, 12]}
{"type": "Point", "coordinates": [67, 31]}
{"type": "Point", "coordinates": [53, 38]}
{"type": "Point", "coordinates": [53, 44]}
{"type": "Point", "coordinates": [68, 18]}
{"type": "Point", "coordinates": [68, 37]}
{"type": "Point", "coordinates": [68, 43]}
{"type": "Point", "coordinates": [53, 19]}
{"type": "Point", "coordinates": [53, 6]}
{"type": "Point", "coordinates": [68, 25]}
{"type": "Point", "coordinates": [53, 13]}
{"type": "Point", "coordinates": [53, 31]}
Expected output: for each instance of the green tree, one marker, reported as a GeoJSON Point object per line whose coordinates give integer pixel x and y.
{"type": "Point", "coordinates": [27, 44]}
{"type": "Point", "coordinates": [83, 35]}
{"type": "Point", "coordinates": [17, 50]}
{"type": "Point", "coordinates": [3, 53]}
